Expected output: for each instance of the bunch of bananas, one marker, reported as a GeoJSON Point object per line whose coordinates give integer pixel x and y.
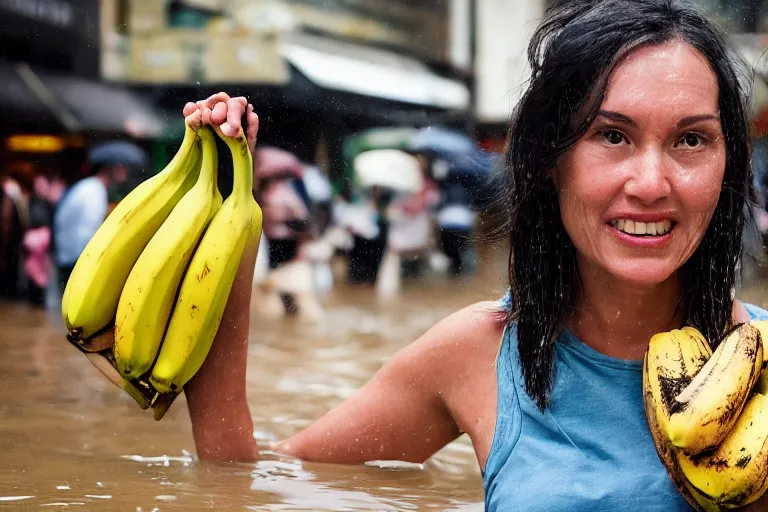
{"type": "Point", "coordinates": [146, 297]}
{"type": "Point", "coordinates": [708, 413]}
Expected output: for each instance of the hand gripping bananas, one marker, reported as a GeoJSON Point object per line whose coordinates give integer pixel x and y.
{"type": "Point", "coordinates": [146, 297]}
{"type": "Point", "coordinates": [708, 414]}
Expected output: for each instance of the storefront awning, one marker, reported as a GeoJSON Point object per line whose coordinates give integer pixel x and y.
{"type": "Point", "coordinates": [107, 108]}
{"type": "Point", "coordinates": [76, 104]}
{"type": "Point", "coordinates": [24, 108]}
{"type": "Point", "coordinates": [372, 72]}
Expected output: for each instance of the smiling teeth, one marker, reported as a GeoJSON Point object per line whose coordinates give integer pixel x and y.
{"type": "Point", "coordinates": [643, 228]}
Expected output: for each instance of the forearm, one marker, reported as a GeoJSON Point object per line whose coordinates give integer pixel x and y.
{"type": "Point", "coordinates": [218, 407]}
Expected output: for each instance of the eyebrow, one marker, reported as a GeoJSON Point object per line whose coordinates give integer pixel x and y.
{"type": "Point", "coordinates": [683, 123]}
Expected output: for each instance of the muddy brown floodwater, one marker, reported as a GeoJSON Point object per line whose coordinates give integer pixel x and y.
{"type": "Point", "coordinates": [70, 439]}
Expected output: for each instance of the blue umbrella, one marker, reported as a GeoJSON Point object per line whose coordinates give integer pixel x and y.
{"type": "Point", "coordinates": [441, 142]}
{"type": "Point", "coordinates": [118, 152]}
{"type": "Point", "coordinates": [474, 170]}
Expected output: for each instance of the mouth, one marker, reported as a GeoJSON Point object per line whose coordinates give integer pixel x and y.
{"type": "Point", "coordinates": [643, 229]}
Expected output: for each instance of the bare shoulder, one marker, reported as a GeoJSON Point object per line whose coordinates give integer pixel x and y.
{"type": "Point", "coordinates": [463, 341]}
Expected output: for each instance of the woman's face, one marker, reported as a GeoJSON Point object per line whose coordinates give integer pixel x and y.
{"type": "Point", "coordinates": [637, 191]}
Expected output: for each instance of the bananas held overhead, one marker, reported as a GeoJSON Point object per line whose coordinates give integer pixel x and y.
{"type": "Point", "coordinates": [148, 293]}
{"type": "Point", "coordinates": [708, 414]}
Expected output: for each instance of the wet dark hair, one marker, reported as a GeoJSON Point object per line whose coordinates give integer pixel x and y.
{"type": "Point", "coordinates": [572, 54]}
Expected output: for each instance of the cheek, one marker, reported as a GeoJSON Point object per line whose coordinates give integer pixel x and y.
{"type": "Point", "coordinates": [699, 190]}
{"type": "Point", "coordinates": [585, 189]}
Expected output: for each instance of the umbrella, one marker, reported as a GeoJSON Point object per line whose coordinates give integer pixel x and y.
{"type": "Point", "coordinates": [471, 170]}
{"type": "Point", "coordinates": [441, 142]}
{"type": "Point", "coordinates": [390, 168]}
{"type": "Point", "coordinates": [373, 138]}
{"type": "Point", "coordinates": [378, 138]}
{"type": "Point", "coordinates": [118, 152]}
{"type": "Point", "coordinates": [273, 162]}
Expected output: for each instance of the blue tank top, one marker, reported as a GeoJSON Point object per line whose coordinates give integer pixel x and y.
{"type": "Point", "coordinates": [591, 450]}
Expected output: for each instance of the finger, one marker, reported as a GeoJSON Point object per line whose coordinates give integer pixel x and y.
{"type": "Point", "coordinates": [235, 110]}
{"type": "Point", "coordinates": [206, 115]}
{"type": "Point", "coordinates": [194, 119]}
{"type": "Point", "coordinates": [219, 114]}
{"type": "Point", "coordinates": [189, 108]}
{"type": "Point", "coordinates": [212, 100]}
{"type": "Point", "coordinates": [253, 128]}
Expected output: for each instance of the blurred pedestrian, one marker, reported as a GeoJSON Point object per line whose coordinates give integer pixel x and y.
{"type": "Point", "coordinates": [366, 220]}
{"type": "Point", "coordinates": [16, 185]}
{"type": "Point", "coordinates": [10, 245]}
{"type": "Point", "coordinates": [456, 221]}
{"type": "Point", "coordinates": [37, 241]}
{"type": "Point", "coordinates": [411, 225]}
{"type": "Point", "coordinates": [82, 209]}
{"type": "Point", "coordinates": [286, 214]}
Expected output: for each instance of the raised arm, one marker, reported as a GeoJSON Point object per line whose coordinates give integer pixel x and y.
{"type": "Point", "coordinates": [221, 421]}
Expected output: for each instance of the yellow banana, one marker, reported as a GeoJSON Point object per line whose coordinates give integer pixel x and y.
{"type": "Point", "coordinates": [92, 293]}
{"type": "Point", "coordinates": [208, 281]}
{"type": "Point", "coordinates": [671, 362]}
{"type": "Point", "coordinates": [705, 411]}
{"type": "Point", "coordinates": [736, 474]}
{"type": "Point", "coordinates": [147, 298]}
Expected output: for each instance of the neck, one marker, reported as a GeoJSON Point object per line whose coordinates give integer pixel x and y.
{"type": "Point", "coordinates": [618, 320]}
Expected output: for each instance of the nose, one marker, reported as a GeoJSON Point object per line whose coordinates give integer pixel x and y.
{"type": "Point", "coordinates": [649, 175]}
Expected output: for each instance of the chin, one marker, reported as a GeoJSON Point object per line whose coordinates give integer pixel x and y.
{"type": "Point", "coordinates": [642, 274]}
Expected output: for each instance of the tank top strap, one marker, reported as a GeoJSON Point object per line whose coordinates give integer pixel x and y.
{"type": "Point", "coordinates": [508, 412]}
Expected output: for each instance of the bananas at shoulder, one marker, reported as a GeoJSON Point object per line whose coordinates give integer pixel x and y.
{"type": "Point", "coordinates": [680, 370]}
{"type": "Point", "coordinates": [93, 290]}
{"type": "Point", "coordinates": [705, 411]}
{"type": "Point", "coordinates": [671, 362]}
{"type": "Point", "coordinates": [736, 474]}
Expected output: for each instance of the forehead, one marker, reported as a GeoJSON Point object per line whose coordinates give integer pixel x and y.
{"type": "Point", "coordinates": [672, 78]}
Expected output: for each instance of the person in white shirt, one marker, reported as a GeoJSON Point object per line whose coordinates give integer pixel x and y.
{"type": "Point", "coordinates": [79, 214]}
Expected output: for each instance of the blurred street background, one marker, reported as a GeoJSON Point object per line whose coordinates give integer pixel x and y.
{"type": "Point", "coordinates": [380, 149]}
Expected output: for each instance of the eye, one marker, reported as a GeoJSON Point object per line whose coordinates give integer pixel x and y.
{"type": "Point", "coordinates": [613, 137]}
{"type": "Point", "coordinates": [692, 140]}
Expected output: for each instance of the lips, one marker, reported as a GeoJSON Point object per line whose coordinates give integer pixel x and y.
{"type": "Point", "coordinates": [643, 229]}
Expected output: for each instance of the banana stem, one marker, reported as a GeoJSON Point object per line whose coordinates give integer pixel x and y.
{"type": "Point", "coordinates": [210, 162]}
{"type": "Point", "coordinates": [242, 163]}
{"type": "Point", "coordinates": [190, 138]}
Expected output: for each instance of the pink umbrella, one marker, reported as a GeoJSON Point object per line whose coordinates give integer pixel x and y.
{"type": "Point", "coordinates": [273, 162]}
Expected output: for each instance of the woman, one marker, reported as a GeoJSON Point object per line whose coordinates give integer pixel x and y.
{"type": "Point", "coordinates": [628, 167]}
